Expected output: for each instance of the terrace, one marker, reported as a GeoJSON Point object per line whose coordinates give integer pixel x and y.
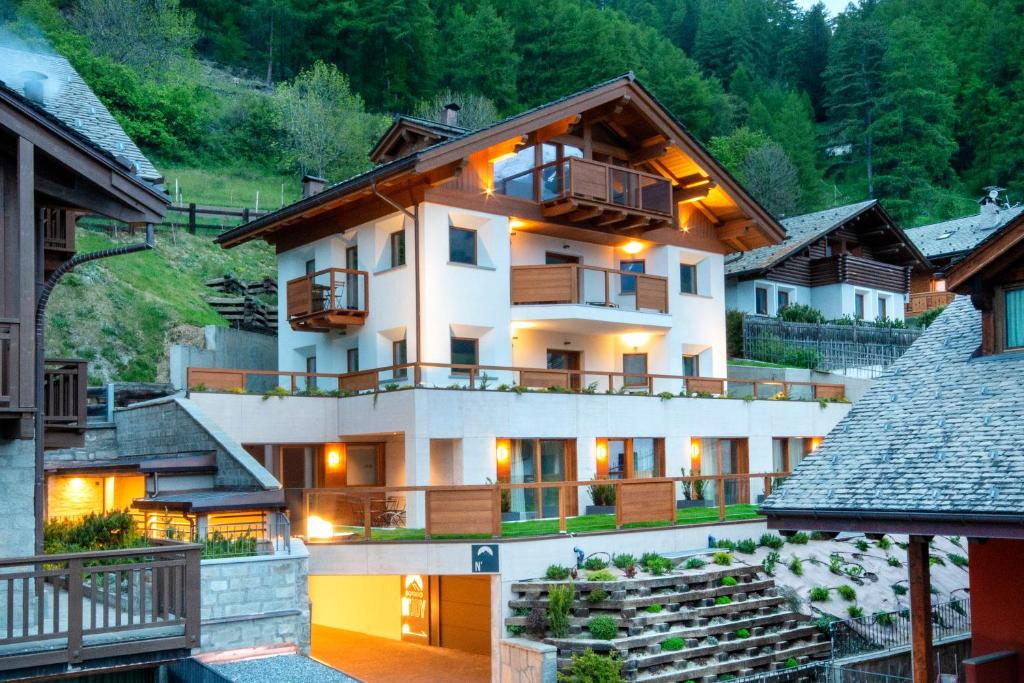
{"type": "Point", "coordinates": [329, 299]}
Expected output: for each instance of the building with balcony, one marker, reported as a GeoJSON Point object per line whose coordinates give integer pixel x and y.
{"type": "Point", "coordinates": [850, 261]}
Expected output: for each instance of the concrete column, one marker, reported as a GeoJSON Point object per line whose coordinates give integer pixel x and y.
{"type": "Point", "coordinates": [586, 468]}
{"type": "Point", "coordinates": [478, 459]}
{"type": "Point", "coordinates": [417, 473]}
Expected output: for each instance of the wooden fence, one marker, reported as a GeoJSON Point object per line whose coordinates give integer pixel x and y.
{"type": "Point", "coordinates": [865, 349]}
{"type": "Point", "coordinates": [193, 211]}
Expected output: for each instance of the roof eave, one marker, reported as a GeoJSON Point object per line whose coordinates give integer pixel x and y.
{"type": "Point", "coordinates": [995, 525]}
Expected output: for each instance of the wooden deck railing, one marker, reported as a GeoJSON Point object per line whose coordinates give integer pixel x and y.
{"type": "Point", "coordinates": [508, 378]}
{"type": "Point", "coordinates": [72, 608]}
{"type": "Point", "coordinates": [329, 297]}
{"type": "Point", "coordinates": [573, 283]}
{"type": "Point", "coordinates": [65, 393]}
{"type": "Point", "coordinates": [472, 510]}
{"type": "Point", "coordinates": [919, 302]}
{"type": "Point", "coordinates": [859, 271]}
{"type": "Point", "coordinates": [9, 363]}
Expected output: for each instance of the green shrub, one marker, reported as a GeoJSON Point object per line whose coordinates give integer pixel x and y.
{"type": "Point", "coordinates": [884, 618]}
{"type": "Point", "coordinates": [694, 563]}
{"type": "Point", "coordinates": [899, 589]}
{"type": "Point", "coordinates": [602, 494]}
{"type": "Point", "coordinates": [773, 541]}
{"type": "Point", "coordinates": [894, 562]}
{"type": "Point", "coordinates": [603, 628]}
{"type": "Point", "coordinates": [770, 560]}
{"type": "Point", "coordinates": [591, 667]}
{"type": "Point", "coordinates": [560, 600]}
{"type": "Point", "coordinates": [800, 313]}
{"type": "Point", "coordinates": [597, 595]}
{"type": "Point", "coordinates": [723, 600]}
{"type": "Point", "coordinates": [95, 531]}
{"type": "Point", "coordinates": [673, 644]}
{"type": "Point", "coordinates": [883, 543]}
{"type": "Point", "coordinates": [835, 563]}
{"type": "Point", "coordinates": [624, 560]}
{"type": "Point", "coordinates": [600, 575]}
{"type": "Point", "coordinates": [734, 333]}
{"type": "Point", "coordinates": [725, 544]}
{"type": "Point", "coordinates": [722, 559]}
{"type": "Point", "coordinates": [796, 566]}
{"type": "Point", "coordinates": [799, 538]}
{"type": "Point", "coordinates": [928, 317]}
{"type": "Point", "coordinates": [655, 563]}
{"type": "Point", "coordinates": [957, 560]}
{"type": "Point", "coordinates": [861, 545]}
{"type": "Point", "coordinates": [743, 633]}
{"type": "Point", "coordinates": [847, 592]}
{"type": "Point", "coordinates": [792, 663]}
{"type": "Point", "coordinates": [595, 562]}
{"type": "Point", "coordinates": [747, 546]}
{"type": "Point", "coordinates": [518, 630]}
{"type": "Point", "coordinates": [819, 594]}
{"type": "Point", "coordinates": [855, 612]}
{"type": "Point", "coordinates": [556, 572]}
{"type": "Point", "coordinates": [655, 608]}
{"type": "Point", "coordinates": [729, 581]}
{"type": "Point", "coordinates": [278, 391]}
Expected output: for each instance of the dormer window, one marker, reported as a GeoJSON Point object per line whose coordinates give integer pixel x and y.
{"type": "Point", "coordinates": [1014, 306]}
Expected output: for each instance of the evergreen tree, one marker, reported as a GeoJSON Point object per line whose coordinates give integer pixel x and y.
{"type": "Point", "coordinates": [480, 56]}
{"type": "Point", "coordinates": [810, 58]}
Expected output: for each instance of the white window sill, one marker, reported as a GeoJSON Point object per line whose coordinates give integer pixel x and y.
{"type": "Point", "coordinates": [472, 266]}
{"type": "Point", "coordinates": [392, 269]}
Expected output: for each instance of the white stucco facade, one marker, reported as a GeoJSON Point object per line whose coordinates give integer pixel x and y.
{"type": "Point", "coordinates": [834, 301]}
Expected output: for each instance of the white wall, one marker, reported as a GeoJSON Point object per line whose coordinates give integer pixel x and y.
{"type": "Point", "coordinates": [834, 301]}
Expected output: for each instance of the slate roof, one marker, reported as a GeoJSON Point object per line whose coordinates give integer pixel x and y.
{"type": "Point", "coordinates": [940, 432]}
{"type": "Point", "coordinates": [800, 231]}
{"type": "Point", "coordinates": [67, 97]}
{"type": "Point", "coordinates": [960, 234]}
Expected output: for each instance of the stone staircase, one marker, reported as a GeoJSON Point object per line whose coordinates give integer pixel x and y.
{"type": "Point", "coordinates": [713, 650]}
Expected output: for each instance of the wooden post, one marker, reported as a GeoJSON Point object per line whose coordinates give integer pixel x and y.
{"type": "Point", "coordinates": [561, 509]}
{"type": "Point", "coordinates": [922, 649]}
{"type": "Point", "coordinates": [193, 618]}
{"type": "Point", "coordinates": [618, 504]}
{"type": "Point", "coordinates": [245, 215]}
{"type": "Point", "coordinates": [366, 518]}
{"type": "Point", "coordinates": [496, 512]}
{"type": "Point", "coordinates": [74, 611]}
{"type": "Point", "coordinates": [192, 218]}
{"type": "Point", "coordinates": [720, 484]}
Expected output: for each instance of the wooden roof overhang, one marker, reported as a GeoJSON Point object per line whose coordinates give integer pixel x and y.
{"type": "Point", "coordinates": [72, 172]}
{"type": "Point", "coordinates": [967, 523]}
{"type": "Point", "coordinates": [985, 264]}
{"type": "Point", "coordinates": [408, 134]}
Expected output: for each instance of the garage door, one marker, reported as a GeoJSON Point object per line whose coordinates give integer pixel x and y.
{"type": "Point", "coordinates": [466, 613]}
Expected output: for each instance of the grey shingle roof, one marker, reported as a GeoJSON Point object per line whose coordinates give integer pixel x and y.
{"type": "Point", "coordinates": [69, 99]}
{"type": "Point", "coordinates": [800, 231]}
{"type": "Point", "coordinates": [941, 432]}
{"type": "Point", "coordinates": [960, 234]}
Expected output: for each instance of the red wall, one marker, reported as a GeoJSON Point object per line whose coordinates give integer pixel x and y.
{"type": "Point", "coordinates": [997, 599]}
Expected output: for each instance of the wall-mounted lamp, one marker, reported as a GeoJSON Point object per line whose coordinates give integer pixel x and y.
{"type": "Point", "coordinates": [635, 339]}
{"type": "Point", "coordinates": [632, 247]}
{"type": "Point", "coordinates": [317, 527]}
{"type": "Point", "coordinates": [333, 460]}
{"type": "Point", "coordinates": [501, 453]}
{"type": "Point", "coordinates": [503, 157]}
{"type": "Point", "coordinates": [514, 223]}
{"type": "Point", "coordinates": [694, 449]}
{"type": "Point", "coordinates": [815, 443]}
{"type": "Point", "coordinates": [602, 451]}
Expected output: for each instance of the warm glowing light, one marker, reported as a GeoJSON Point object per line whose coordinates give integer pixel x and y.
{"type": "Point", "coordinates": [635, 339]}
{"type": "Point", "coordinates": [515, 223]}
{"type": "Point", "coordinates": [318, 528]}
{"type": "Point", "coordinates": [632, 247]}
{"type": "Point", "coordinates": [815, 443]}
{"type": "Point", "coordinates": [504, 157]}
{"type": "Point", "coordinates": [76, 482]}
{"type": "Point", "coordinates": [602, 451]}
{"type": "Point", "coordinates": [488, 190]}
{"type": "Point", "coordinates": [333, 460]}
{"type": "Point", "coordinates": [694, 450]}
{"type": "Point", "coordinates": [523, 325]}
{"type": "Point", "coordinates": [501, 453]}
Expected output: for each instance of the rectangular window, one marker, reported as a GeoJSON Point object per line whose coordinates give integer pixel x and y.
{"type": "Point", "coordinates": [553, 258]}
{"type": "Point", "coordinates": [783, 298]}
{"type": "Point", "coordinates": [635, 364]}
{"type": "Point", "coordinates": [464, 352]}
{"type": "Point", "coordinates": [687, 278]}
{"type": "Point", "coordinates": [310, 266]}
{"type": "Point", "coordinates": [628, 282]}
{"type": "Point", "coordinates": [761, 301]}
{"type": "Point", "coordinates": [725, 456]}
{"type": "Point", "coordinates": [461, 245]}
{"type": "Point", "coordinates": [640, 458]}
{"type": "Point", "coordinates": [691, 365]}
{"type": "Point", "coordinates": [352, 360]}
{"type": "Point", "coordinates": [398, 248]}
{"type": "Point", "coordinates": [858, 306]}
{"type": "Point", "coordinates": [1015, 318]}
{"type": "Point", "coordinates": [538, 460]}
{"type": "Point", "coordinates": [883, 311]}
{"type": "Point", "coordinates": [399, 357]}
{"type": "Point", "coordinates": [311, 370]}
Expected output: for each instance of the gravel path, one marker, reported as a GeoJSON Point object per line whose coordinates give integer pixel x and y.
{"type": "Point", "coordinates": [281, 669]}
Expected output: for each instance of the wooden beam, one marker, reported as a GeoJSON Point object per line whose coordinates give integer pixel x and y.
{"type": "Point", "coordinates": [691, 194]}
{"type": "Point", "coordinates": [734, 229]}
{"type": "Point", "coordinates": [633, 223]}
{"type": "Point", "coordinates": [561, 208]}
{"type": "Point", "coordinates": [648, 153]}
{"type": "Point", "coordinates": [715, 220]}
{"type": "Point", "coordinates": [922, 647]}
{"type": "Point", "coordinates": [92, 201]}
{"type": "Point", "coordinates": [28, 271]}
{"type": "Point", "coordinates": [585, 214]}
{"type": "Point", "coordinates": [693, 179]}
{"type": "Point", "coordinates": [610, 217]}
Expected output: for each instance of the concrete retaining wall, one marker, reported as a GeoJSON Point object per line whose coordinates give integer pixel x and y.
{"type": "Point", "coordinates": [17, 475]}
{"type": "Point", "coordinates": [855, 386]}
{"type": "Point", "coordinates": [256, 601]}
{"type": "Point", "coordinates": [526, 660]}
{"type": "Point", "coordinates": [225, 347]}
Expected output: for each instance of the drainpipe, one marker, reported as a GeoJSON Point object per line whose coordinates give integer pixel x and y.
{"type": "Point", "coordinates": [40, 328]}
{"type": "Point", "coordinates": [414, 215]}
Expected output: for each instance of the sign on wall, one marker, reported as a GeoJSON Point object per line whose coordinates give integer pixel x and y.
{"type": "Point", "coordinates": [485, 558]}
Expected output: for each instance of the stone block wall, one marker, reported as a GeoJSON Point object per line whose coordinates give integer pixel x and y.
{"type": "Point", "coordinates": [526, 660]}
{"type": "Point", "coordinates": [256, 601]}
{"type": "Point", "coordinates": [224, 347]}
{"type": "Point", "coordinates": [100, 444]}
{"type": "Point", "coordinates": [17, 475]}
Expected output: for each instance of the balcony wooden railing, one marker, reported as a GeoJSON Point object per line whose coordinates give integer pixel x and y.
{"type": "Point", "coordinates": [572, 283]}
{"type": "Point", "coordinates": [70, 609]}
{"type": "Point", "coordinates": [475, 510]}
{"type": "Point", "coordinates": [919, 302]}
{"type": "Point", "coordinates": [9, 363]}
{"type": "Point", "coordinates": [332, 298]}
{"type": "Point", "coordinates": [509, 378]}
{"type": "Point", "coordinates": [858, 270]}
{"type": "Point", "coordinates": [65, 396]}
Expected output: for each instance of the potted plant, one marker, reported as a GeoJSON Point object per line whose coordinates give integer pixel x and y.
{"type": "Point", "coordinates": [603, 498]}
{"type": "Point", "coordinates": [693, 492]}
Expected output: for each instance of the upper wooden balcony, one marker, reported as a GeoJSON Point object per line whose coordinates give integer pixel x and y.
{"type": "Point", "coordinates": [919, 302]}
{"type": "Point", "coordinates": [329, 299]}
{"type": "Point", "coordinates": [596, 195]}
{"type": "Point", "coordinates": [573, 283]}
{"type": "Point", "coordinates": [65, 394]}
{"type": "Point", "coordinates": [858, 270]}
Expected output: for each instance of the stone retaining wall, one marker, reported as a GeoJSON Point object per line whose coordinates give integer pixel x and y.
{"type": "Point", "coordinates": [526, 660]}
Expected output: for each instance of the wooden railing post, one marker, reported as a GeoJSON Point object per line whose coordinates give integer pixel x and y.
{"type": "Point", "coordinates": [330, 297]}
{"type": "Point", "coordinates": [367, 531]}
{"type": "Point", "coordinates": [618, 504]}
{"type": "Point", "coordinates": [75, 579]}
{"type": "Point", "coordinates": [561, 509]}
{"type": "Point", "coordinates": [193, 592]}
{"type": "Point", "coordinates": [496, 512]}
{"type": "Point", "coordinates": [720, 484]}
{"type": "Point", "coordinates": [192, 218]}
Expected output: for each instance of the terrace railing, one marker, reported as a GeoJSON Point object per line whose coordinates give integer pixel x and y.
{"type": "Point", "coordinates": [919, 302]}
{"type": "Point", "coordinates": [509, 378]}
{"type": "Point", "coordinates": [891, 630]}
{"type": "Point", "coordinates": [71, 608]}
{"type": "Point", "coordinates": [329, 298]}
{"type": "Point", "coordinates": [8, 362]}
{"type": "Point", "coordinates": [243, 539]}
{"type": "Point", "coordinates": [65, 393]}
{"type": "Point", "coordinates": [572, 283]}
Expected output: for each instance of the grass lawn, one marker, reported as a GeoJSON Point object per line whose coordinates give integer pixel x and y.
{"type": "Point", "coordinates": [576, 525]}
{"type": "Point", "coordinates": [231, 186]}
{"type": "Point", "coordinates": [761, 364]}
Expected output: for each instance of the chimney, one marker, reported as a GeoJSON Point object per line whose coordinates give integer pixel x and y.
{"type": "Point", "coordinates": [312, 185]}
{"type": "Point", "coordinates": [989, 204]}
{"type": "Point", "coordinates": [451, 114]}
{"type": "Point", "coordinates": [34, 87]}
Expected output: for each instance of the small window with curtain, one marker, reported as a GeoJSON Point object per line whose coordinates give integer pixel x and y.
{"type": "Point", "coordinates": [634, 364]}
{"type": "Point", "coordinates": [783, 298]}
{"type": "Point", "coordinates": [461, 245]}
{"type": "Point", "coordinates": [687, 278]}
{"type": "Point", "coordinates": [883, 308]}
{"type": "Point", "coordinates": [691, 365]}
{"type": "Point", "coordinates": [464, 352]}
{"type": "Point", "coordinates": [627, 283]}
{"type": "Point", "coordinates": [858, 306]}
{"type": "Point", "coordinates": [399, 357]}
{"type": "Point", "coordinates": [1015, 318]}
{"type": "Point", "coordinates": [397, 248]}
{"type": "Point", "coordinates": [761, 300]}
{"type": "Point", "coordinates": [352, 360]}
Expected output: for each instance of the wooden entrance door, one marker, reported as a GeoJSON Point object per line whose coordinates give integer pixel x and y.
{"type": "Point", "coordinates": [559, 359]}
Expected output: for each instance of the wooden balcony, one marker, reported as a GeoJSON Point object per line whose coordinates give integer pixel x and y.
{"type": "Point", "coordinates": [572, 283]}
{"type": "Point", "coordinates": [330, 299]}
{"type": "Point", "coordinates": [65, 394]}
{"type": "Point", "coordinates": [861, 271]}
{"type": "Point", "coordinates": [58, 227]}
{"type": "Point", "coordinates": [919, 302]}
{"type": "Point", "coordinates": [95, 611]}
{"type": "Point", "coordinates": [595, 195]}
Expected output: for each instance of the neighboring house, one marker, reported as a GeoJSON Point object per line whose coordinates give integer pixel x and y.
{"type": "Point", "coordinates": [849, 261]}
{"type": "Point", "coordinates": [484, 317]}
{"type": "Point", "coordinates": [934, 448]}
{"type": "Point", "coordinates": [946, 243]}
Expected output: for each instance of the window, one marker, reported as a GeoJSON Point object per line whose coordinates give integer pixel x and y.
{"type": "Point", "coordinates": [310, 266]}
{"type": "Point", "coordinates": [858, 306]}
{"type": "Point", "coordinates": [761, 301]}
{"type": "Point", "coordinates": [310, 370]}
{"type": "Point", "coordinates": [552, 258]}
{"type": "Point", "coordinates": [461, 245]}
{"type": "Point", "coordinates": [399, 357]}
{"type": "Point", "coordinates": [398, 248]}
{"type": "Point", "coordinates": [640, 458]}
{"type": "Point", "coordinates": [628, 282]}
{"type": "Point", "coordinates": [783, 298]}
{"type": "Point", "coordinates": [691, 365]}
{"type": "Point", "coordinates": [634, 364]}
{"type": "Point", "coordinates": [1015, 318]}
{"type": "Point", "coordinates": [883, 311]}
{"type": "Point", "coordinates": [352, 360]}
{"type": "Point", "coordinates": [464, 352]}
{"type": "Point", "coordinates": [937, 285]}
{"type": "Point", "coordinates": [537, 460]}
{"type": "Point", "coordinates": [687, 278]}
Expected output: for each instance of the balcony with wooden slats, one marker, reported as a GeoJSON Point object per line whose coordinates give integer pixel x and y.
{"type": "Point", "coordinates": [919, 302]}
{"type": "Point", "coordinates": [330, 299]}
{"type": "Point", "coordinates": [857, 270]}
{"type": "Point", "coordinates": [65, 394]}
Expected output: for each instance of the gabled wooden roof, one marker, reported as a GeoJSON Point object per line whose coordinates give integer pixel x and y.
{"type": "Point", "coordinates": [1001, 250]}
{"type": "Point", "coordinates": [622, 104]}
{"type": "Point", "coordinates": [408, 134]}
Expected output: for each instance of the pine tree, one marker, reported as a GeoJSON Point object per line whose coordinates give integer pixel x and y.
{"type": "Point", "coordinates": [480, 57]}
{"type": "Point", "coordinates": [810, 58]}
